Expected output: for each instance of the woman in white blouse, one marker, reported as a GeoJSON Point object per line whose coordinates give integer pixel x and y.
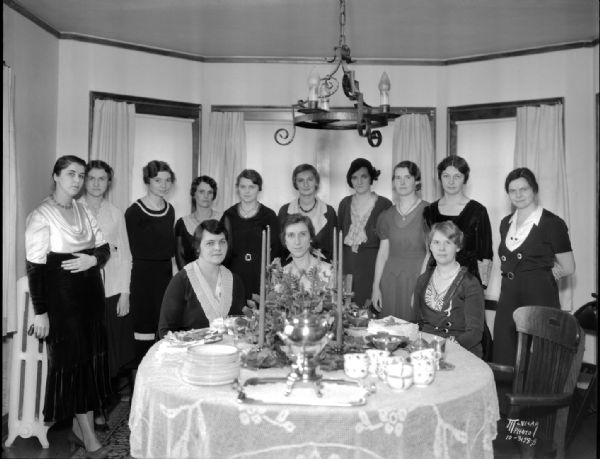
{"type": "Point", "coordinates": [65, 251]}
{"type": "Point", "coordinates": [117, 272]}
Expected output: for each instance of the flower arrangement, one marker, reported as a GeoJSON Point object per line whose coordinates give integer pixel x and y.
{"type": "Point", "coordinates": [288, 295]}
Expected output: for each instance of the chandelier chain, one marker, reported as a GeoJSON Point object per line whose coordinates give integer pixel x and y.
{"type": "Point", "coordinates": [342, 22]}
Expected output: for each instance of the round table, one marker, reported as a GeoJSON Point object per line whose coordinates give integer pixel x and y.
{"type": "Point", "coordinates": [453, 417]}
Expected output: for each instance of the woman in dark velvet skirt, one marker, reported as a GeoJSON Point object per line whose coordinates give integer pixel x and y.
{"type": "Point", "coordinates": [65, 250]}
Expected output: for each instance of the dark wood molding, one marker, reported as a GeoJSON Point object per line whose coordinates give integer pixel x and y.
{"type": "Point", "coordinates": [15, 5]}
{"type": "Point", "coordinates": [487, 112]}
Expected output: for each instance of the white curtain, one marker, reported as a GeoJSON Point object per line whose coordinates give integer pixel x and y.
{"type": "Point", "coordinates": [9, 205]}
{"type": "Point", "coordinates": [540, 146]}
{"type": "Point", "coordinates": [413, 141]}
{"type": "Point", "coordinates": [226, 155]}
{"type": "Point", "coordinates": [113, 141]}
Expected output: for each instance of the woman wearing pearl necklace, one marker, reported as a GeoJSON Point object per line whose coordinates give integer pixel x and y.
{"type": "Point", "coordinates": [403, 246]}
{"type": "Point", "coordinates": [306, 180]}
{"type": "Point", "coordinates": [448, 299]}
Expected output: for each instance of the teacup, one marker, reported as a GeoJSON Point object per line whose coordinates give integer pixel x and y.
{"type": "Point", "coordinates": [375, 356]}
{"type": "Point", "coordinates": [423, 363]}
{"type": "Point", "coordinates": [384, 362]}
{"type": "Point", "coordinates": [399, 376]}
{"type": "Point", "coordinates": [356, 365]}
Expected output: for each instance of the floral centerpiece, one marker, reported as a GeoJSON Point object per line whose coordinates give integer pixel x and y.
{"type": "Point", "coordinates": [287, 295]}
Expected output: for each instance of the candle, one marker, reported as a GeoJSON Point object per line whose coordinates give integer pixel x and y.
{"type": "Point", "coordinates": [261, 306]}
{"type": "Point", "coordinates": [334, 259]}
{"type": "Point", "coordinates": [340, 284]}
{"type": "Point", "coordinates": [268, 257]}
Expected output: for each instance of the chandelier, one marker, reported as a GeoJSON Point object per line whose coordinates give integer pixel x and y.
{"type": "Point", "coordinates": [315, 113]}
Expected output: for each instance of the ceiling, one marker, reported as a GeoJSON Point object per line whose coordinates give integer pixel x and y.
{"type": "Point", "coordinates": [375, 29]}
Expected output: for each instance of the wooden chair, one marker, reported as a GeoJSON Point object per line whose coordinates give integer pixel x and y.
{"type": "Point", "coordinates": [547, 365]}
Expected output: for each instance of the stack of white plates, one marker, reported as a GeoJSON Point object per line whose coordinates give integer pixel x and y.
{"type": "Point", "coordinates": [211, 365]}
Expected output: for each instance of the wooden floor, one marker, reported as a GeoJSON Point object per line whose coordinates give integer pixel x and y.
{"type": "Point", "coordinates": [583, 446]}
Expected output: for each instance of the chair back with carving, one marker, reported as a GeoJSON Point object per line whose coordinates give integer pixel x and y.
{"type": "Point", "coordinates": [549, 354]}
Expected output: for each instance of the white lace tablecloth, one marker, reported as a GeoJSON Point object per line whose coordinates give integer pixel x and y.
{"type": "Point", "coordinates": [455, 417]}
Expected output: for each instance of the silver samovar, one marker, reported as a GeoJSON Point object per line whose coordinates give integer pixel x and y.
{"type": "Point", "coordinates": [305, 335]}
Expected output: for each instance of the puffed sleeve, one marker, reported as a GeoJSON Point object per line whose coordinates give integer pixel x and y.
{"type": "Point", "coordinates": [558, 233]}
{"type": "Point", "coordinates": [37, 246]}
{"type": "Point", "coordinates": [382, 228]}
{"type": "Point", "coordinates": [124, 254]}
{"type": "Point", "coordinates": [474, 313]}
{"type": "Point", "coordinates": [484, 247]}
{"type": "Point", "coordinates": [37, 237]}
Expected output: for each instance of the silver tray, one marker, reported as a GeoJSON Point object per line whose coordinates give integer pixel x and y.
{"type": "Point", "coordinates": [303, 394]}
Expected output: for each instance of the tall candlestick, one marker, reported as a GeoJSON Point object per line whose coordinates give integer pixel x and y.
{"type": "Point", "coordinates": [334, 259]}
{"type": "Point", "coordinates": [340, 288]}
{"type": "Point", "coordinates": [262, 305]}
{"type": "Point", "coordinates": [268, 257]}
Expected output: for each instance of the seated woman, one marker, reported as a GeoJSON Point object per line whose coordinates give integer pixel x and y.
{"type": "Point", "coordinates": [448, 299]}
{"type": "Point", "coordinates": [297, 235]}
{"type": "Point", "coordinates": [203, 290]}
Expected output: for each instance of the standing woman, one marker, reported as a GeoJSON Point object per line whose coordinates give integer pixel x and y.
{"type": "Point", "coordinates": [469, 215]}
{"type": "Point", "coordinates": [150, 229]}
{"type": "Point", "coordinates": [357, 217]}
{"type": "Point", "coordinates": [65, 250]}
{"type": "Point", "coordinates": [117, 271]}
{"type": "Point", "coordinates": [535, 251]}
{"type": "Point", "coordinates": [244, 222]}
{"type": "Point", "coordinates": [403, 246]}
{"type": "Point", "coordinates": [203, 192]}
{"type": "Point", "coordinates": [306, 180]}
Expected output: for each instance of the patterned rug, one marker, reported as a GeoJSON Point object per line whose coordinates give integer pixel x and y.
{"type": "Point", "coordinates": [117, 437]}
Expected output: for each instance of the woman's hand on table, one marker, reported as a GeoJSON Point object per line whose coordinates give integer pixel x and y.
{"type": "Point", "coordinates": [81, 262]}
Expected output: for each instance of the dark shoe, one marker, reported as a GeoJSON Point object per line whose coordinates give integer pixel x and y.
{"type": "Point", "coordinates": [100, 453]}
{"type": "Point", "coordinates": [103, 427]}
{"type": "Point", "coordinates": [74, 439]}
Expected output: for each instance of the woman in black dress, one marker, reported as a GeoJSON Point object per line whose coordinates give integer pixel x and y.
{"type": "Point", "coordinates": [244, 222]}
{"type": "Point", "coordinates": [203, 192]}
{"type": "Point", "coordinates": [469, 215]}
{"type": "Point", "coordinates": [357, 218]}
{"type": "Point", "coordinates": [306, 180]}
{"type": "Point", "coordinates": [150, 229]}
{"type": "Point", "coordinates": [203, 290]}
{"type": "Point", "coordinates": [535, 251]}
{"type": "Point", "coordinates": [65, 250]}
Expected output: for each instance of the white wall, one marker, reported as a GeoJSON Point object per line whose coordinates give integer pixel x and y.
{"type": "Point", "coordinates": [32, 53]}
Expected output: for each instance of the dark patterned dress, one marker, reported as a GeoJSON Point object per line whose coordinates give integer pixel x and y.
{"type": "Point", "coordinates": [361, 264]}
{"type": "Point", "coordinates": [78, 377]}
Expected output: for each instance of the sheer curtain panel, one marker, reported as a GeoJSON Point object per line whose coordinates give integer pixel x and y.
{"type": "Point", "coordinates": [226, 155]}
{"type": "Point", "coordinates": [413, 141]}
{"type": "Point", "coordinates": [113, 141]}
{"type": "Point", "coordinates": [9, 205]}
{"type": "Point", "coordinates": [540, 146]}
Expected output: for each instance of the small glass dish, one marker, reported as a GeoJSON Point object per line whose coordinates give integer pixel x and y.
{"type": "Point", "coordinates": [387, 342]}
